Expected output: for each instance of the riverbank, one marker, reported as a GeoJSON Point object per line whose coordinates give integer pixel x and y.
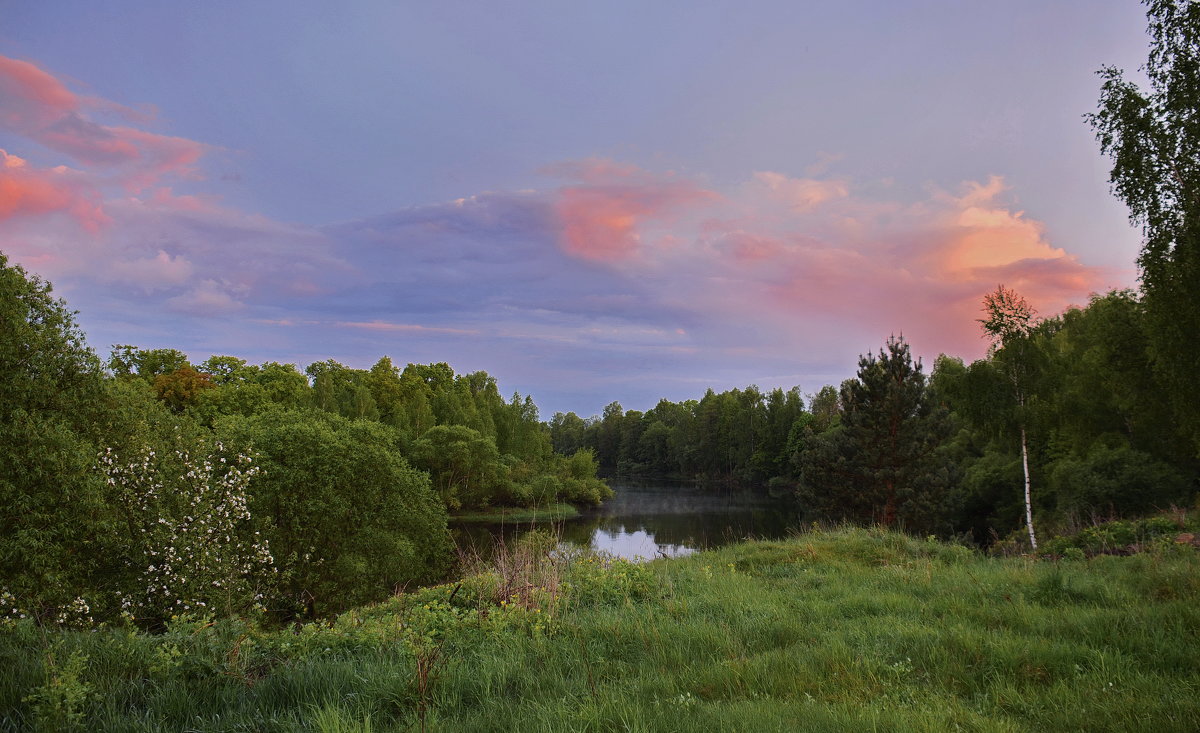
{"type": "Point", "coordinates": [839, 630]}
{"type": "Point", "coordinates": [510, 514]}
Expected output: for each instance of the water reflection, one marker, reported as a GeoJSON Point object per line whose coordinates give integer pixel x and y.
{"type": "Point", "coordinates": [653, 520]}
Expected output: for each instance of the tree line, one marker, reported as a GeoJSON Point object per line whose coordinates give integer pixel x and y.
{"type": "Point", "coordinates": [1073, 402]}
{"type": "Point", "coordinates": [479, 449]}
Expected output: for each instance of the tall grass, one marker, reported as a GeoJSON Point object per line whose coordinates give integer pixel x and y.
{"type": "Point", "coordinates": [835, 630]}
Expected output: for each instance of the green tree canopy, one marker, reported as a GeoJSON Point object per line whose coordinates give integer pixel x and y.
{"type": "Point", "coordinates": [348, 519]}
{"type": "Point", "coordinates": [465, 466]}
{"type": "Point", "coordinates": [53, 518]}
{"type": "Point", "coordinates": [1153, 139]}
{"type": "Point", "coordinates": [126, 361]}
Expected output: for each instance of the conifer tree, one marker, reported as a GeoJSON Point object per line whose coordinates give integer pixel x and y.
{"type": "Point", "coordinates": [881, 463]}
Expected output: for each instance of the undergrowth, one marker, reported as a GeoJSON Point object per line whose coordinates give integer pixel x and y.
{"type": "Point", "coordinates": [831, 630]}
{"type": "Point", "coordinates": [1126, 536]}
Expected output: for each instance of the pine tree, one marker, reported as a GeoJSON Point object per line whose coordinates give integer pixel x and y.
{"type": "Point", "coordinates": [881, 463]}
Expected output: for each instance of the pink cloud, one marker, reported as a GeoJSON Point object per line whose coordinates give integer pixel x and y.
{"type": "Point", "coordinates": [29, 192]}
{"type": "Point", "coordinates": [165, 197]}
{"type": "Point", "coordinates": [815, 260]}
{"type": "Point", "coordinates": [602, 218]}
{"type": "Point", "coordinates": [85, 224]}
{"type": "Point", "coordinates": [30, 98]}
{"type": "Point", "coordinates": [160, 155]}
{"type": "Point", "coordinates": [922, 270]}
{"type": "Point", "coordinates": [800, 194]}
{"type": "Point", "coordinates": [36, 105]}
{"type": "Point", "coordinates": [24, 193]}
{"type": "Point", "coordinates": [750, 248]}
{"type": "Point", "coordinates": [86, 141]}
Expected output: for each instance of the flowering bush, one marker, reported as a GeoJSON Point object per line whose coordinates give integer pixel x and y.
{"type": "Point", "coordinates": [194, 549]}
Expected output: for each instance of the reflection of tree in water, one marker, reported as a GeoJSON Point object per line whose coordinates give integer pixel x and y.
{"type": "Point", "coordinates": [702, 530]}
{"type": "Point", "coordinates": [651, 521]}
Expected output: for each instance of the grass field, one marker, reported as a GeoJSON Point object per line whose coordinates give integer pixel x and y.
{"type": "Point", "coordinates": [839, 630]}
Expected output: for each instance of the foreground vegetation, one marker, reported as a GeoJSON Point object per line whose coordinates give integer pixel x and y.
{"type": "Point", "coordinates": [830, 630]}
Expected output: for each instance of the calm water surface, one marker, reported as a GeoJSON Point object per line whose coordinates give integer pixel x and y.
{"type": "Point", "coordinates": [653, 520]}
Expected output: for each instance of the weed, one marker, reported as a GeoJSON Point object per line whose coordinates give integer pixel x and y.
{"type": "Point", "coordinates": [59, 703]}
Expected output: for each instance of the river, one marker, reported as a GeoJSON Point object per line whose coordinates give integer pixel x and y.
{"type": "Point", "coordinates": [649, 520]}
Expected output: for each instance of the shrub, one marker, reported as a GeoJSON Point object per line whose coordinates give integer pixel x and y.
{"type": "Point", "coordinates": [1117, 479]}
{"type": "Point", "coordinates": [349, 521]}
{"type": "Point", "coordinates": [1118, 535]}
{"type": "Point", "coordinates": [602, 579]}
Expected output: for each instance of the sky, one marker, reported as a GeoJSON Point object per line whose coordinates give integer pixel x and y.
{"type": "Point", "coordinates": [590, 201]}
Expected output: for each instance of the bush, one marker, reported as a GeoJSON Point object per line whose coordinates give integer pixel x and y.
{"type": "Point", "coordinates": [1116, 536]}
{"type": "Point", "coordinates": [193, 544]}
{"type": "Point", "coordinates": [579, 482]}
{"type": "Point", "coordinates": [601, 580]}
{"type": "Point", "coordinates": [348, 520]}
{"type": "Point", "coordinates": [1115, 479]}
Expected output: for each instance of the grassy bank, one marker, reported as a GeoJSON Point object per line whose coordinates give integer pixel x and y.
{"type": "Point", "coordinates": [511, 514]}
{"type": "Point", "coordinates": [844, 630]}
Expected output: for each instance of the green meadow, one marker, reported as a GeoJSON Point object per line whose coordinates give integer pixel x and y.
{"type": "Point", "coordinates": [845, 629]}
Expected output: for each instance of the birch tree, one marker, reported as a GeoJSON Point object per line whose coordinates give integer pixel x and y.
{"type": "Point", "coordinates": [1009, 324]}
{"type": "Point", "coordinates": [1152, 136]}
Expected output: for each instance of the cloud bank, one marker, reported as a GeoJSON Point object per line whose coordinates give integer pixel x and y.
{"type": "Point", "coordinates": [610, 281]}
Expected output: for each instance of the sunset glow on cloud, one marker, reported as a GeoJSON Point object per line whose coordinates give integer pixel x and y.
{"type": "Point", "coordinates": [604, 214]}
{"type": "Point", "coordinates": [809, 254]}
{"type": "Point", "coordinates": [645, 228]}
{"type": "Point", "coordinates": [35, 104]}
{"type": "Point", "coordinates": [25, 191]}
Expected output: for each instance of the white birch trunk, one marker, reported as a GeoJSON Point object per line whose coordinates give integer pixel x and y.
{"type": "Point", "coordinates": [1028, 505]}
